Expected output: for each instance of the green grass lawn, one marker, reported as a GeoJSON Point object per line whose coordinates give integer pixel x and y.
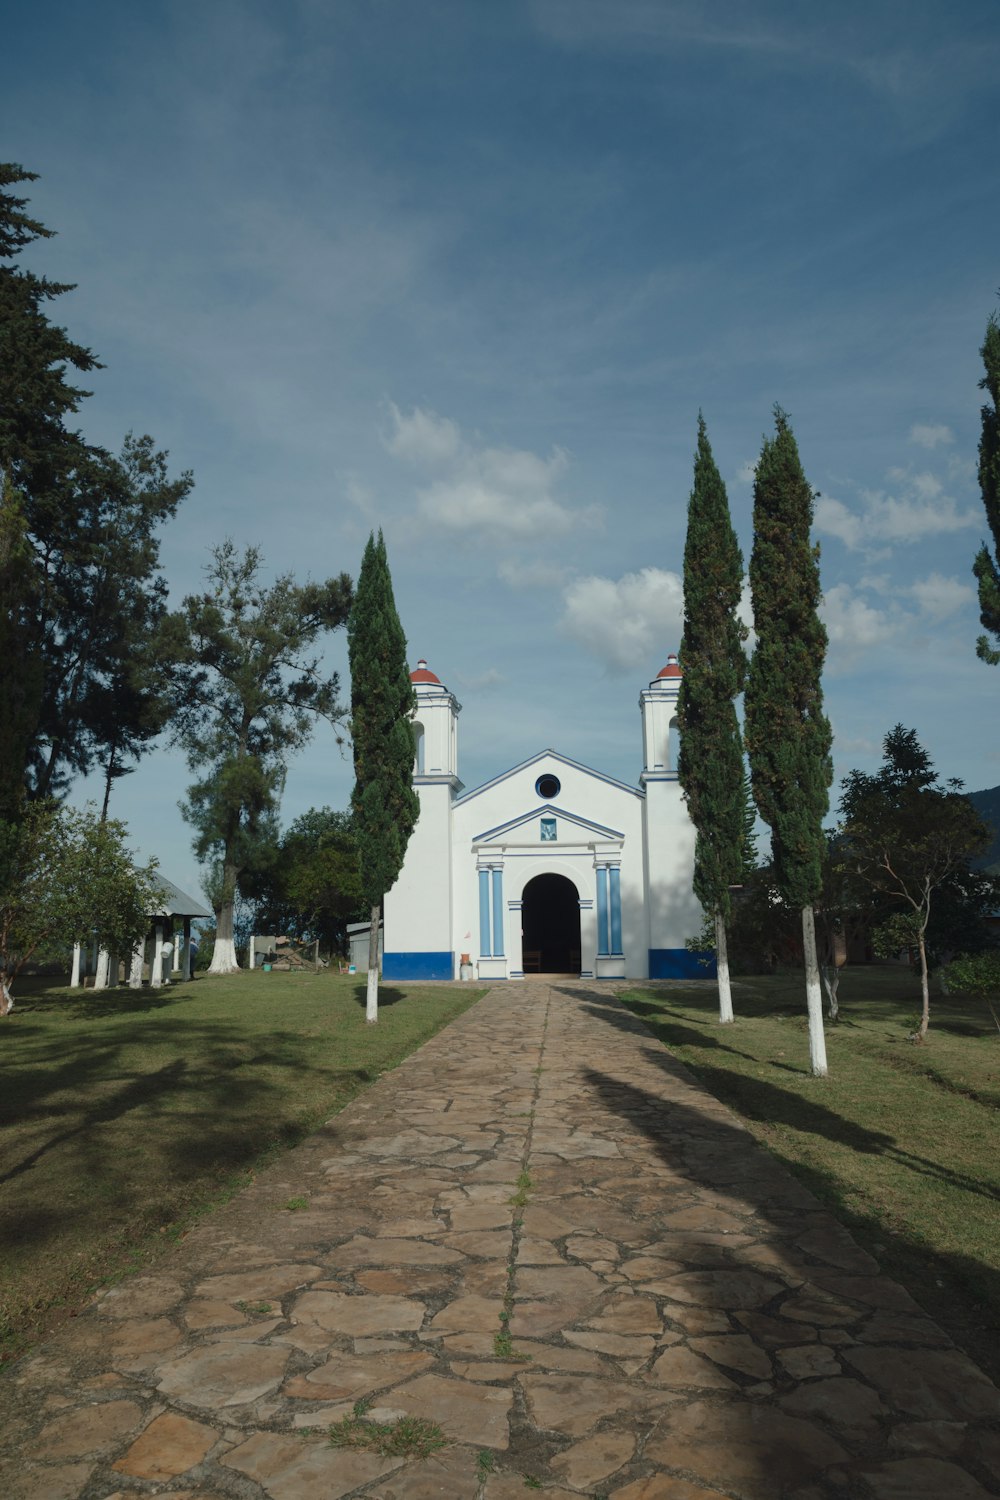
{"type": "Point", "coordinates": [902, 1141]}
{"type": "Point", "coordinates": [124, 1113]}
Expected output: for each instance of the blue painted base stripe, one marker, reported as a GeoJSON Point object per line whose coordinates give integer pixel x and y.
{"type": "Point", "coordinates": [418, 966]}
{"type": "Point", "coordinates": [678, 963]}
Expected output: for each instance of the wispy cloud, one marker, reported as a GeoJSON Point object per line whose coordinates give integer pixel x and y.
{"type": "Point", "coordinates": [928, 435]}
{"type": "Point", "coordinates": [626, 623]}
{"type": "Point", "coordinates": [854, 626]}
{"type": "Point", "coordinates": [506, 493]}
{"type": "Point", "coordinates": [939, 597]}
{"type": "Point", "coordinates": [918, 508]}
{"type": "Point", "coordinates": [871, 614]}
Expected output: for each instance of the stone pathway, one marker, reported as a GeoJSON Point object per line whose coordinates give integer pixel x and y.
{"type": "Point", "coordinates": [661, 1313]}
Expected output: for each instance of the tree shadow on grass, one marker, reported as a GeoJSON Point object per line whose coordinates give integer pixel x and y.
{"type": "Point", "coordinates": [386, 995]}
{"type": "Point", "coordinates": [97, 1004]}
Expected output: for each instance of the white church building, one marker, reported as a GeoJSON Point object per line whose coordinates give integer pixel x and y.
{"type": "Point", "coordinates": [550, 867]}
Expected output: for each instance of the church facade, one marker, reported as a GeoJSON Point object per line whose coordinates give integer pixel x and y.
{"type": "Point", "coordinates": [550, 867]}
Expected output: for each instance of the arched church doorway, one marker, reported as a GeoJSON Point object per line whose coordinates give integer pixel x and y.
{"type": "Point", "coordinates": [550, 926]}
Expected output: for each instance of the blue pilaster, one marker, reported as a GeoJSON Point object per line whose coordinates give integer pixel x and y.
{"type": "Point", "coordinates": [616, 909]}
{"type": "Point", "coordinates": [484, 914]}
{"type": "Point", "coordinates": [602, 909]}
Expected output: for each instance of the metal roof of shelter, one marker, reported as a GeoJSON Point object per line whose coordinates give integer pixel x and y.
{"type": "Point", "coordinates": [175, 902]}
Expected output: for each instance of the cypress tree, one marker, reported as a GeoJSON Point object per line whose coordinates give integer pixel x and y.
{"type": "Point", "coordinates": [710, 763]}
{"type": "Point", "coordinates": [382, 701]}
{"type": "Point", "coordinates": [987, 564]}
{"type": "Point", "coordinates": [787, 733]}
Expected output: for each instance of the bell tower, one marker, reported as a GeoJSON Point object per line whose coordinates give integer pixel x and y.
{"type": "Point", "coordinates": [659, 721]}
{"type": "Point", "coordinates": [418, 909]}
{"type": "Point", "coordinates": [674, 912]}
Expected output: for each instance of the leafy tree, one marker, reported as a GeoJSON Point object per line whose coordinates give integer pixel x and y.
{"type": "Point", "coordinates": [67, 877]}
{"type": "Point", "coordinates": [907, 836]}
{"type": "Point", "coordinates": [977, 974]}
{"type": "Point", "coordinates": [787, 733]}
{"type": "Point", "coordinates": [710, 764]}
{"type": "Point", "coordinates": [311, 889]}
{"type": "Point", "coordinates": [35, 394]}
{"type": "Point", "coordinates": [22, 668]}
{"type": "Point", "coordinates": [89, 618]}
{"type": "Point", "coordinates": [248, 694]}
{"type": "Point", "coordinates": [101, 625]}
{"type": "Point", "coordinates": [987, 564]}
{"type": "Point", "coordinates": [385, 806]}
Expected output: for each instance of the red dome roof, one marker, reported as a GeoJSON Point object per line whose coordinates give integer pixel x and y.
{"type": "Point", "coordinates": [423, 675]}
{"type": "Point", "coordinates": [672, 669]}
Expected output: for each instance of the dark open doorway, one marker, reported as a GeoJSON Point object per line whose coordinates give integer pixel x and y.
{"type": "Point", "coordinates": [550, 924]}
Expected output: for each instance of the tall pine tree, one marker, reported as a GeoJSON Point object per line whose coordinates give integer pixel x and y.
{"type": "Point", "coordinates": [88, 621]}
{"type": "Point", "coordinates": [987, 564]}
{"type": "Point", "coordinates": [710, 763]}
{"type": "Point", "coordinates": [787, 733]}
{"type": "Point", "coordinates": [382, 701]}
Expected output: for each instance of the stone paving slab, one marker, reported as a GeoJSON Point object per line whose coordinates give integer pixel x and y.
{"type": "Point", "coordinates": [542, 1235]}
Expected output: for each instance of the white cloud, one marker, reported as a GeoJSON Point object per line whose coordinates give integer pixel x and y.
{"type": "Point", "coordinates": [930, 436]}
{"type": "Point", "coordinates": [746, 472]}
{"type": "Point", "coordinates": [423, 438]}
{"type": "Point", "coordinates": [940, 597]}
{"type": "Point", "coordinates": [502, 492]}
{"type": "Point", "coordinates": [853, 625]}
{"type": "Point", "coordinates": [630, 623]}
{"type": "Point", "coordinates": [834, 518]}
{"type": "Point", "coordinates": [910, 518]}
{"type": "Point", "coordinates": [919, 509]}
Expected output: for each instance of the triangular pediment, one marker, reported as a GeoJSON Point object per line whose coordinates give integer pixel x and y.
{"type": "Point", "coordinates": [541, 758]}
{"type": "Point", "coordinates": [525, 828]}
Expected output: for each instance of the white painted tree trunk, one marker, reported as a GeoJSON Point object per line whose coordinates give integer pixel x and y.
{"type": "Point", "coordinates": [814, 996]}
{"type": "Point", "coordinates": [138, 960]}
{"type": "Point", "coordinates": [223, 957]}
{"type": "Point", "coordinates": [103, 969]}
{"type": "Point", "coordinates": [371, 1000]}
{"type": "Point", "coordinates": [74, 978]}
{"type": "Point", "coordinates": [722, 966]}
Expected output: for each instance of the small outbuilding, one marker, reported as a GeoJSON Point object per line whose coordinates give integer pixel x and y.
{"type": "Point", "coordinates": [169, 933]}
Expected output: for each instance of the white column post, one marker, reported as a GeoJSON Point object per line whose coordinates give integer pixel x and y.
{"type": "Point", "coordinates": [138, 960]}
{"type": "Point", "coordinates": [178, 942]}
{"type": "Point", "coordinates": [252, 953]}
{"type": "Point", "coordinates": [74, 978]}
{"type": "Point", "coordinates": [156, 971]}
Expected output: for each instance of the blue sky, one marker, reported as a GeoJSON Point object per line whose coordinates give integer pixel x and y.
{"type": "Point", "coordinates": [468, 271]}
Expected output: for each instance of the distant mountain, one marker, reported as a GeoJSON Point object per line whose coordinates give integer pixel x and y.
{"type": "Point", "coordinates": [987, 805]}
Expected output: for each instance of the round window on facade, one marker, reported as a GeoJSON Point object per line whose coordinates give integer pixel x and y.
{"type": "Point", "coordinates": [547, 787]}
